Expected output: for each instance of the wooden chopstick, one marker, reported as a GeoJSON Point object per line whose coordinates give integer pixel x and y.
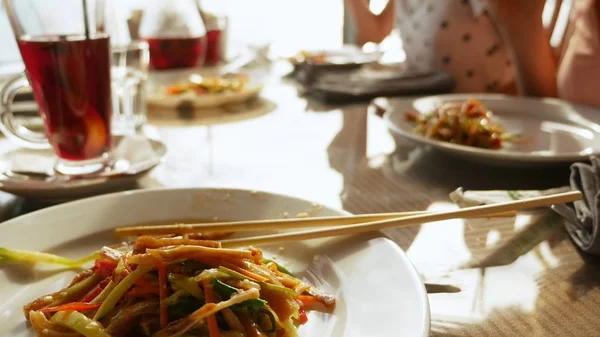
{"type": "Point", "coordinates": [469, 212]}
{"type": "Point", "coordinates": [277, 224]}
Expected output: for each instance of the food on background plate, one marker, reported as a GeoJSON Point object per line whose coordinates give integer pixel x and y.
{"type": "Point", "coordinates": [206, 92]}
{"type": "Point", "coordinates": [172, 286]}
{"type": "Point", "coordinates": [304, 56]}
{"type": "Point", "coordinates": [207, 85]}
{"type": "Point", "coordinates": [468, 123]}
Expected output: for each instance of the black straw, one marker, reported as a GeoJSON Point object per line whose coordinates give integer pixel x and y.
{"type": "Point", "coordinates": [86, 24]}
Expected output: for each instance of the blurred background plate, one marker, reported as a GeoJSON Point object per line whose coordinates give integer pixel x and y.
{"type": "Point", "coordinates": [560, 132]}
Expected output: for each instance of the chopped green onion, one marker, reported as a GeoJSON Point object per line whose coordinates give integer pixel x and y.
{"type": "Point", "coordinates": [514, 195]}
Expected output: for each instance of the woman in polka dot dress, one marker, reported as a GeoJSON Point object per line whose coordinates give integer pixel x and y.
{"type": "Point", "coordinates": [499, 46]}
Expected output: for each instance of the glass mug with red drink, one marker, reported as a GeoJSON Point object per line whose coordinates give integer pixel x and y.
{"type": "Point", "coordinates": [175, 33]}
{"type": "Point", "coordinates": [66, 53]}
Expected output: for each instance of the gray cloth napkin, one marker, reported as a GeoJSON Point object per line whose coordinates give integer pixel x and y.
{"type": "Point", "coordinates": [355, 84]}
{"type": "Point", "coordinates": [582, 220]}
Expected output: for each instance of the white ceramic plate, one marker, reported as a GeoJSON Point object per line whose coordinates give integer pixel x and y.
{"type": "Point", "coordinates": [379, 292]}
{"type": "Point", "coordinates": [560, 132]}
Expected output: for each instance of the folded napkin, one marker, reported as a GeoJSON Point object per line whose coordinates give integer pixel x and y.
{"type": "Point", "coordinates": [582, 220]}
{"type": "Point", "coordinates": [367, 82]}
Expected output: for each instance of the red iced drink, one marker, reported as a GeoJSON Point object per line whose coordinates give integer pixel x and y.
{"type": "Point", "coordinates": [70, 77]}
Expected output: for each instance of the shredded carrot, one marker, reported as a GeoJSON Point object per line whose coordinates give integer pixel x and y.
{"type": "Point", "coordinates": [244, 272]}
{"type": "Point", "coordinates": [307, 300]}
{"type": "Point", "coordinates": [162, 285]}
{"type": "Point", "coordinates": [213, 327]}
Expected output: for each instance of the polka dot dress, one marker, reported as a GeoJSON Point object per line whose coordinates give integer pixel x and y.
{"type": "Point", "coordinates": [446, 34]}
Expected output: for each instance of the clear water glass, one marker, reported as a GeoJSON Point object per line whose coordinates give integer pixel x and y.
{"type": "Point", "coordinates": [129, 75]}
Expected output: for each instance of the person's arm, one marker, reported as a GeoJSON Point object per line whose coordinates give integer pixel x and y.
{"type": "Point", "coordinates": [520, 24]}
{"type": "Point", "coordinates": [369, 26]}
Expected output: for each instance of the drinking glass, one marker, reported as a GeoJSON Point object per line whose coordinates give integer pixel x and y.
{"type": "Point", "coordinates": [216, 38]}
{"type": "Point", "coordinates": [66, 53]}
{"type": "Point", "coordinates": [129, 76]}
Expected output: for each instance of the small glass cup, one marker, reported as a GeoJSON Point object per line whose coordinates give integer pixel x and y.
{"type": "Point", "coordinates": [66, 54]}
{"type": "Point", "coordinates": [216, 38]}
{"type": "Point", "coordinates": [129, 75]}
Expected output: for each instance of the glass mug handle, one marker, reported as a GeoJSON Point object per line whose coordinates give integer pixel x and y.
{"type": "Point", "coordinates": [9, 126]}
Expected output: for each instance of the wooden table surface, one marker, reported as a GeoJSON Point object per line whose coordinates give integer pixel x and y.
{"type": "Point", "coordinates": [502, 277]}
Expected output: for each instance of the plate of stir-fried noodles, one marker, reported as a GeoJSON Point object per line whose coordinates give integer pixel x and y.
{"type": "Point", "coordinates": [498, 129]}
{"type": "Point", "coordinates": [63, 273]}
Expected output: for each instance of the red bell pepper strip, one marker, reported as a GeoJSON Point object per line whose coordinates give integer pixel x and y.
{"type": "Point", "coordinates": [105, 267]}
{"type": "Point", "coordinates": [74, 306]}
{"type": "Point", "coordinates": [303, 318]}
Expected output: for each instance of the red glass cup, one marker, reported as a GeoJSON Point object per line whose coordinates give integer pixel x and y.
{"type": "Point", "coordinates": [216, 36]}
{"type": "Point", "coordinates": [68, 70]}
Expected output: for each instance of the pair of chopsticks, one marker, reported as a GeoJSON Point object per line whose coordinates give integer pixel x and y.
{"type": "Point", "coordinates": [344, 225]}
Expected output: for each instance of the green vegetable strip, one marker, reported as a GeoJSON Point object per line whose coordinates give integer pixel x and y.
{"type": "Point", "coordinates": [80, 323]}
{"type": "Point", "coordinates": [278, 288]}
{"type": "Point", "coordinates": [26, 256]}
{"type": "Point", "coordinates": [225, 291]}
{"type": "Point", "coordinates": [514, 195]}
{"type": "Point", "coordinates": [78, 290]}
{"type": "Point", "coordinates": [171, 300]}
{"type": "Point", "coordinates": [104, 293]}
{"type": "Point", "coordinates": [114, 296]}
{"type": "Point", "coordinates": [187, 284]}
{"type": "Point", "coordinates": [279, 267]}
